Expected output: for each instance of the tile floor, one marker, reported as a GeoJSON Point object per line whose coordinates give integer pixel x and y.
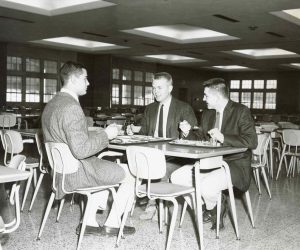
{"type": "Point", "coordinates": [277, 226]}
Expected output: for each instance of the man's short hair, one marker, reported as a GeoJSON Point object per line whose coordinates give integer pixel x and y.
{"type": "Point", "coordinates": [163, 75]}
{"type": "Point", "coordinates": [218, 84]}
{"type": "Point", "coordinates": [70, 68]}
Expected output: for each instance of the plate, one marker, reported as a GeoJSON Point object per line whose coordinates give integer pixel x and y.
{"type": "Point", "coordinates": [191, 143]}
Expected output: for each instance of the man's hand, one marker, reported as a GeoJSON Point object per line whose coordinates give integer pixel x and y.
{"type": "Point", "coordinates": [216, 134]}
{"type": "Point", "coordinates": [129, 130]}
{"type": "Point", "coordinates": [111, 131]}
{"type": "Point", "coordinates": [185, 128]}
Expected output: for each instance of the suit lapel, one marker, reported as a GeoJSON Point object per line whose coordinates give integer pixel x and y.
{"type": "Point", "coordinates": [171, 116]}
{"type": "Point", "coordinates": [226, 114]}
{"type": "Point", "coordinates": [154, 120]}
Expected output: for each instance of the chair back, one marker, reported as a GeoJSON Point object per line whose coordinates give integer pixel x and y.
{"type": "Point", "coordinates": [7, 120]}
{"type": "Point", "coordinates": [13, 142]}
{"type": "Point", "coordinates": [146, 163]}
{"type": "Point", "coordinates": [291, 137]}
{"type": "Point", "coordinates": [263, 141]}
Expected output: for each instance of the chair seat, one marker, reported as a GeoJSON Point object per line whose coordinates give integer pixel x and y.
{"type": "Point", "coordinates": [94, 189]}
{"type": "Point", "coordinates": [31, 160]}
{"type": "Point", "coordinates": [166, 189]}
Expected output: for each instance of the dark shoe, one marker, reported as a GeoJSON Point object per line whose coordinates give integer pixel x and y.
{"type": "Point", "coordinates": [113, 231]}
{"type": "Point", "coordinates": [89, 230]}
{"type": "Point", "coordinates": [223, 213]}
{"type": "Point", "coordinates": [206, 216]}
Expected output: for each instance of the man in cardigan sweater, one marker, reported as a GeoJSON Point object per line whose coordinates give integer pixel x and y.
{"type": "Point", "coordinates": [63, 121]}
{"type": "Point", "coordinates": [231, 124]}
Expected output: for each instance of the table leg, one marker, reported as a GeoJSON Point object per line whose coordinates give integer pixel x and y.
{"type": "Point", "coordinates": [198, 210]}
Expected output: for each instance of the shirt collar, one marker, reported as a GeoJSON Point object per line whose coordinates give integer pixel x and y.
{"type": "Point", "coordinates": [167, 102]}
{"type": "Point", "coordinates": [65, 90]}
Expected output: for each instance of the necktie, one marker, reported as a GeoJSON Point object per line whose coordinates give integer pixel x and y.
{"type": "Point", "coordinates": [160, 121]}
{"type": "Point", "coordinates": [217, 123]}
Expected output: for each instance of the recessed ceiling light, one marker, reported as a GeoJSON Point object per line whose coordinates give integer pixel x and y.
{"type": "Point", "coordinates": [294, 65]}
{"type": "Point", "coordinates": [291, 15]}
{"type": "Point", "coordinates": [54, 7]}
{"type": "Point", "coordinates": [180, 33]}
{"type": "Point", "coordinates": [264, 53]}
{"type": "Point", "coordinates": [72, 42]}
{"type": "Point", "coordinates": [172, 58]}
{"type": "Point", "coordinates": [231, 67]}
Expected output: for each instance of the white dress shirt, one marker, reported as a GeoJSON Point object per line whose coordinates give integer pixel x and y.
{"type": "Point", "coordinates": [166, 107]}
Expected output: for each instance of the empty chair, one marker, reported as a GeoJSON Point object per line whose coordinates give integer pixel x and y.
{"type": "Point", "coordinates": [14, 145]}
{"type": "Point", "coordinates": [291, 145]}
{"type": "Point", "coordinates": [7, 120]}
{"type": "Point", "coordinates": [63, 162]}
{"type": "Point", "coordinates": [259, 160]}
{"type": "Point", "coordinates": [150, 164]}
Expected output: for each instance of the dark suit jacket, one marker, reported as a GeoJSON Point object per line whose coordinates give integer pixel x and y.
{"type": "Point", "coordinates": [239, 131]}
{"type": "Point", "coordinates": [178, 112]}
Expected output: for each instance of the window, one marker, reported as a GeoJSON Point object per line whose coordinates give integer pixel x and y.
{"type": "Point", "coordinates": [126, 76]}
{"type": "Point", "coordinates": [149, 77]}
{"type": "Point", "coordinates": [138, 95]}
{"type": "Point", "coordinates": [50, 89]}
{"type": "Point", "coordinates": [32, 89]}
{"type": "Point", "coordinates": [14, 89]}
{"type": "Point", "coordinates": [126, 94]}
{"type": "Point", "coordinates": [50, 67]}
{"type": "Point", "coordinates": [149, 98]}
{"type": "Point", "coordinates": [14, 63]}
{"type": "Point", "coordinates": [115, 94]}
{"type": "Point", "coordinates": [255, 94]}
{"type": "Point", "coordinates": [116, 74]}
{"type": "Point", "coordinates": [32, 65]}
{"type": "Point", "coordinates": [138, 76]}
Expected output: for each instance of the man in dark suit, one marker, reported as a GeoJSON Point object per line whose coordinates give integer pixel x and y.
{"type": "Point", "coordinates": [63, 121]}
{"type": "Point", "coordinates": [231, 124]}
{"type": "Point", "coordinates": [162, 117]}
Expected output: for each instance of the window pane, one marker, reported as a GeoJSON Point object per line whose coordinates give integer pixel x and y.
{"type": "Point", "coordinates": [50, 89]}
{"type": "Point", "coordinates": [115, 94]}
{"type": "Point", "coordinates": [246, 99]}
{"type": "Point", "coordinates": [138, 76]}
{"type": "Point", "coordinates": [234, 96]}
{"type": "Point", "coordinates": [50, 67]}
{"type": "Point", "coordinates": [258, 100]}
{"type": "Point", "coordinates": [138, 95]}
{"type": "Point", "coordinates": [14, 89]}
{"type": "Point", "coordinates": [14, 63]}
{"type": "Point", "coordinates": [32, 89]}
{"type": "Point", "coordinates": [235, 84]}
{"type": "Point", "coordinates": [116, 74]}
{"type": "Point", "coordinates": [126, 94]}
{"type": "Point", "coordinates": [149, 77]}
{"type": "Point", "coordinates": [258, 84]}
{"type": "Point", "coordinates": [149, 98]}
{"type": "Point", "coordinates": [32, 65]}
{"type": "Point", "coordinates": [126, 75]}
{"type": "Point", "coordinates": [270, 101]}
{"type": "Point", "coordinates": [271, 84]}
{"type": "Point", "coordinates": [246, 84]}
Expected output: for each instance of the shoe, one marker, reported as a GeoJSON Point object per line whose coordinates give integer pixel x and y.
{"type": "Point", "coordinates": [223, 213]}
{"type": "Point", "coordinates": [89, 230]}
{"type": "Point", "coordinates": [113, 231]}
{"type": "Point", "coordinates": [206, 216]}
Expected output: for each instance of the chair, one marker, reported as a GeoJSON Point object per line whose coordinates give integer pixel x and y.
{"type": "Point", "coordinates": [14, 145]}
{"type": "Point", "coordinates": [17, 162]}
{"type": "Point", "coordinates": [206, 163]}
{"type": "Point", "coordinates": [150, 164]}
{"type": "Point", "coordinates": [291, 145]}
{"type": "Point", "coordinates": [259, 161]}
{"type": "Point", "coordinates": [7, 120]}
{"type": "Point", "coordinates": [63, 162]}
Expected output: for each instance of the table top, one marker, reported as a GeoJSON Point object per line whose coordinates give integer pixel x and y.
{"type": "Point", "coordinates": [10, 174]}
{"type": "Point", "coordinates": [185, 152]}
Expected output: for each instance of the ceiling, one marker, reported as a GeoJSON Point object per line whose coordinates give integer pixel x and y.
{"type": "Point", "coordinates": [251, 22]}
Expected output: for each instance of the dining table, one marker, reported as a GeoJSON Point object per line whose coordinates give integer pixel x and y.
{"type": "Point", "coordinates": [191, 152]}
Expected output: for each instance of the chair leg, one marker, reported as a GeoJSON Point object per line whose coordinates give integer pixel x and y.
{"type": "Point", "coordinates": [266, 181]}
{"type": "Point", "coordinates": [280, 164]}
{"type": "Point", "coordinates": [233, 211]}
{"type": "Point", "coordinates": [166, 218]}
{"type": "Point", "coordinates": [132, 208]}
{"type": "Point", "coordinates": [86, 212]}
{"type": "Point", "coordinates": [50, 202]}
{"type": "Point", "coordinates": [60, 209]}
{"type": "Point", "coordinates": [27, 189]}
{"type": "Point", "coordinates": [248, 201]}
{"type": "Point", "coordinates": [258, 180]}
{"type": "Point", "coordinates": [34, 177]}
{"type": "Point", "coordinates": [173, 221]}
{"type": "Point", "coordinates": [183, 213]}
{"type": "Point", "coordinates": [161, 209]}
{"type": "Point", "coordinates": [218, 214]}
{"type": "Point", "coordinates": [36, 190]}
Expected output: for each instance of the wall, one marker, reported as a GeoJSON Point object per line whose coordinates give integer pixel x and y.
{"type": "Point", "coordinates": [2, 74]}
